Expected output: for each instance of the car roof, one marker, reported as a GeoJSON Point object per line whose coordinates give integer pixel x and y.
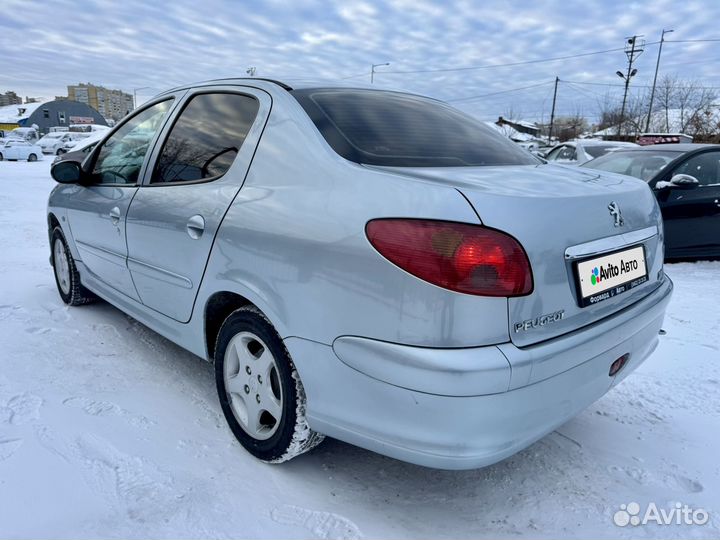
{"type": "Point", "coordinates": [295, 84]}
{"type": "Point", "coordinates": [600, 142]}
{"type": "Point", "coordinates": [679, 147]}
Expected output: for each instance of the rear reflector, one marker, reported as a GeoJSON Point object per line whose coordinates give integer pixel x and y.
{"type": "Point", "coordinates": [618, 364]}
{"type": "Point", "coordinates": [465, 258]}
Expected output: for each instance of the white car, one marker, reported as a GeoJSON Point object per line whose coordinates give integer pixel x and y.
{"type": "Point", "coordinates": [17, 149]}
{"type": "Point", "coordinates": [55, 143]}
{"type": "Point", "coordinates": [582, 151]}
{"type": "Point", "coordinates": [28, 134]}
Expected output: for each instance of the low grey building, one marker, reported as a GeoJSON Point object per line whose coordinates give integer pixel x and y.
{"type": "Point", "coordinates": [63, 113]}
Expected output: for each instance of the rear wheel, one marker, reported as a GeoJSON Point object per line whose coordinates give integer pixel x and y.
{"type": "Point", "coordinates": [67, 277]}
{"type": "Point", "coordinates": [260, 391]}
{"type": "Point", "coordinates": [32, 157]}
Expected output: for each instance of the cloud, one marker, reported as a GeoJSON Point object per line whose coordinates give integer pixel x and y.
{"type": "Point", "coordinates": [133, 44]}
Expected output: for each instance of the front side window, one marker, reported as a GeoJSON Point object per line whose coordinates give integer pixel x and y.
{"type": "Point", "coordinates": [567, 154]}
{"type": "Point", "coordinates": [553, 154]}
{"type": "Point", "coordinates": [206, 138]}
{"type": "Point", "coordinates": [402, 130]}
{"type": "Point", "coordinates": [121, 157]}
{"type": "Point", "coordinates": [704, 167]}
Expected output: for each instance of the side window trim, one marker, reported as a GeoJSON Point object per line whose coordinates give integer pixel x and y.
{"type": "Point", "coordinates": [90, 161]}
{"type": "Point", "coordinates": [251, 140]}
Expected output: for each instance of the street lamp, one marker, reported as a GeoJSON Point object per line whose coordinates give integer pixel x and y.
{"type": "Point", "coordinates": [135, 91]}
{"type": "Point", "coordinates": [372, 70]}
{"type": "Point", "coordinates": [657, 66]}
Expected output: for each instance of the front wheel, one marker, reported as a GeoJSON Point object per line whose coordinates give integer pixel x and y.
{"type": "Point", "coordinates": [67, 278]}
{"type": "Point", "coordinates": [1, 157]}
{"type": "Point", "coordinates": [260, 391]}
{"type": "Point", "coordinates": [32, 157]}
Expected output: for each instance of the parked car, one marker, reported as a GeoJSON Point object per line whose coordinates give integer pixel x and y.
{"type": "Point", "coordinates": [28, 134]}
{"type": "Point", "coordinates": [686, 181]}
{"type": "Point", "coordinates": [370, 265]}
{"type": "Point", "coordinates": [78, 149]}
{"type": "Point", "coordinates": [582, 151]}
{"type": "Point", "coordinates": [54, 143]}
{"type": "Point", "coordinates": [17, 149]}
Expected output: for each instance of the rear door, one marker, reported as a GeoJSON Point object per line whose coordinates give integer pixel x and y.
{"type": "Point", "coordinates": [197, 171]}
{"type": "Point", "coordinates": [97, 210]}
{"type": "Point", "coordinates": [692, 214]}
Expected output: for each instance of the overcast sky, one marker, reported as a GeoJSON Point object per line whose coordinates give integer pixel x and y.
{"type": "Point", "coordinates": [131, 44]}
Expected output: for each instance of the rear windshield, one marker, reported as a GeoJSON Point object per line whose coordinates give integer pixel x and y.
{"type": "Point", "coordinates": [401, 130]}
{"type": "Point", "coordinates": [597, 150]}
{"type": "Point", "coordinates": [642, 164]}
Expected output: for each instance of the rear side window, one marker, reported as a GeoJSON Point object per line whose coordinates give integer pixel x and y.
{"type": "Point", "coordinates": [206, 138]}
{"type": "Point", "coordinates": [401, 130]}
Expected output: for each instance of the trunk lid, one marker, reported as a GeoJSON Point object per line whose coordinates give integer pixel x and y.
{"type": "Point", "coordinates": [561, 216]}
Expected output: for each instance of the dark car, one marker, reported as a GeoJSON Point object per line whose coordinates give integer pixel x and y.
{"type": "Point", "coordinates": [686, 181]}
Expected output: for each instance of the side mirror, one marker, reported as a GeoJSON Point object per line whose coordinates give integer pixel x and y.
{"type": "Point", "coordinates": [684, 181]}
{"type": "Point", "coordinates": [66, 172]}
{"type": "Point", "coordinates": [680, 181]}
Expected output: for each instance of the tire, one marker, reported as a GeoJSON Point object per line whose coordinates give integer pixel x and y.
{"type": "Point", "coordinates": [245, 340]}
{"type": "Point", "coordinates": [1, 157]}
{"type": "Point", "coordinates": [67, 277]}
{"type": "Point", "coordinates": [32, 157]}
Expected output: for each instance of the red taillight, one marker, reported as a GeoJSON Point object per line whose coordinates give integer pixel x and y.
{"type": "Point", "coordinates": [465, 258]}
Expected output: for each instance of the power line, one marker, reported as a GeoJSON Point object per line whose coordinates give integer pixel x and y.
{"type": "Point", "coordinates": [356, 76]}
{"type": "Point", "coordinates": [509, 64]}
{"type": "Point", "coordinates": [635, 86]}
{"type": "Point", "coordinates": [528, 62]}
{"type": "Point", "coordinates": [470, 98]}
{"type": "Point", "coordinates": [692, 40]}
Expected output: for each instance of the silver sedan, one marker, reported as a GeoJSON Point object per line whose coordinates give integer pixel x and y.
{"type": "Point", "coordinates": [369, 265]}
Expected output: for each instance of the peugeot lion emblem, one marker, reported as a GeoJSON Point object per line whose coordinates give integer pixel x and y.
{"type": "Point", "coordinates": [615, 212]}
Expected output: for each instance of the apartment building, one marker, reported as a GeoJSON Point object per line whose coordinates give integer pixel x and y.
{"type": "Point", "coordinates": [112, 104]}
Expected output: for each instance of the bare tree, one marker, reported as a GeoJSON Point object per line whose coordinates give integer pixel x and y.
{"type": "Point", "coordinates": [685, 106]}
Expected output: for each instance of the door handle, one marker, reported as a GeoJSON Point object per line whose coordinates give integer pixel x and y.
{"type": "Point", "coordinates": [196, 226]}
{"type": "Point", "coordinates": [115, 215]}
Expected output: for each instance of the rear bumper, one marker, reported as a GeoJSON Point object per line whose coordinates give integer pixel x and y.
{"type": "Point", "coordinates": [429, 416]}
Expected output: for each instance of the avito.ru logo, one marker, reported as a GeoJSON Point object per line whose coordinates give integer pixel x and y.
{"type": "Point", "coordinates": [612, 270]}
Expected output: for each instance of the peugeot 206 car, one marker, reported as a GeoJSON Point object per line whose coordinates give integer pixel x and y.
{"type": "Point", "coordinates": [368, 265]}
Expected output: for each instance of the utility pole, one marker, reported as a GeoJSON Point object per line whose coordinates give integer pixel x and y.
{"type": "Point", "coordinates": [657, 66]}
{"type": "Point", "coordinates": [552, 113]}
{"type": "Point", "coordinates": [372, 70]}
{"type": "Point", "coordinates": [633, 49]}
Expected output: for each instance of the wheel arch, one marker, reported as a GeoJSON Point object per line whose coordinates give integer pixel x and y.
{"type": "Point", "coordinates": [218, 307]}
{"type": "Point", "coordinates": [53, 222]}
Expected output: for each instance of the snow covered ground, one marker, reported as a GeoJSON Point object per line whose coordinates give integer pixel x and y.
{"type": "Point", "coordinates": [109, 430]}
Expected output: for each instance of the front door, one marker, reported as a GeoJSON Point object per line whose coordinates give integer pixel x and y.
{"type": "Point", "coordinates": [196, 173]}
{"type": "Point", "coordinates": [97, 211]}
{"type": "Point", "coordinates": [692, 214]}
